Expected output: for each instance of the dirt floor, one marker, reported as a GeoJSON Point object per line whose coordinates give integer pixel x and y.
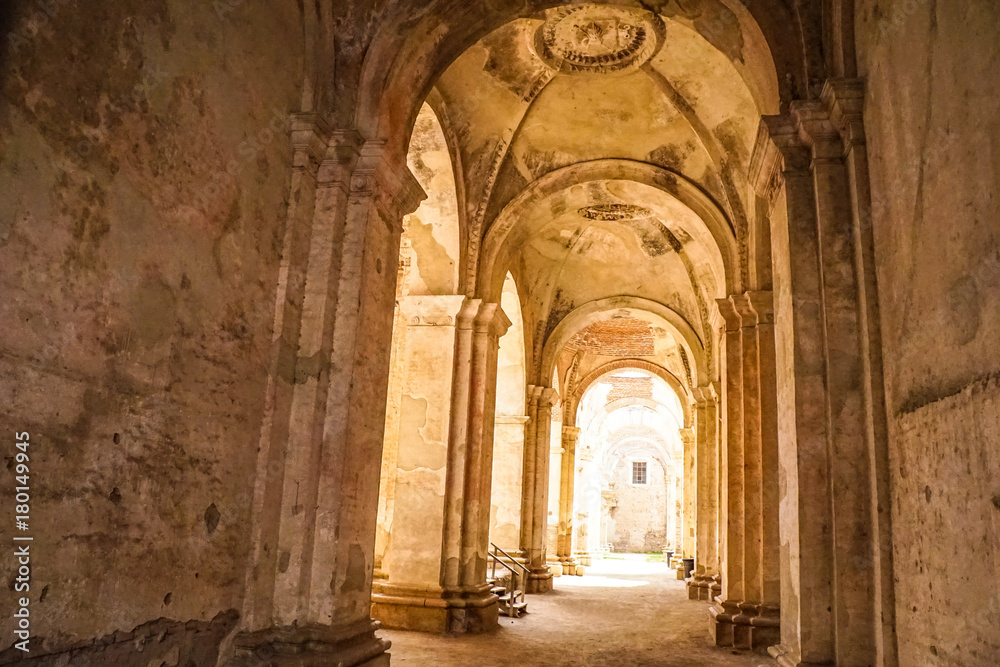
{"type": "Point", "coordinates": [625, 612]}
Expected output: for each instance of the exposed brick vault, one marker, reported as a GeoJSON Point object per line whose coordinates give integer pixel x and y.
{"type": "Point", "coordinates": [615, 337]}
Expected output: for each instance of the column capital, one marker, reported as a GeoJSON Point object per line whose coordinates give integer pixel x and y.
{"type": "Point", "coordinates": [845, 100]}
{"type": "Point", "coordinates": [706, 393]}
{"type": "Point", "coordinates": [780, 145]}
{"type": "Point", "coordinates": [570, 433]}
{"type": "Point", "coordinates": [363, 168]}
{"type": "Point", "coordinates": [491, 319]}
{"type": "Point", "coordinates": [510, 419]}
{"type": "Point", "coordinates": [547, 397]}
{"type": "Point", "coordinates": [687, 435]}
{"type": "Point", "coordinates": [431, 309]}
{"type": "Point", "coordinates": [313, 143]}
{"type": "Point", "coordinates": [754, 308]}
{"type": "Point", "coordinates": [729, 314]}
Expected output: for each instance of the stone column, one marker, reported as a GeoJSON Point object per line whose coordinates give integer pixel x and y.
{"type": "Point", "coordinates": [833, 529]}
{"type": "Point", "coordinates": [540, 578]}
{"type": "Point", "coordinates": [506, 495]}
{"type": "Point", "coordinates": [688, 492]}
{"type": "Point", "coordinates": [413, 557]}
{"type": "Point", "coordinates": [760, 574]}
{"type": "Point", "coordinates": [706, 508]}
{"type": "Point", "coordinates": [528, 469]}
{"type": "Point", "coordinates": [726, 606]}
{"type": "Point", "coordinates": [752, 621]}
{"type": "Point", "coordinates": [307, 592]}
{"type": "Point", "coordinates": [567, 475]}
{"type": "Point", "coordinates": [587, 508]}
{"type": "Point", "coordinates": [436, 564]}
{"type": "Point", "coordinates": [845, 100]}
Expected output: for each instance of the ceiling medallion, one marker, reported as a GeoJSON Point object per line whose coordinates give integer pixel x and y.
{"type": "Point", "coordinates": [614, 212]}
{"type": "Point", "coordinates": [596, 39]}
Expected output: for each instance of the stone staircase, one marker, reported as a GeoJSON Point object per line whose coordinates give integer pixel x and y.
{"type": "Point", "coordinates": [508, 582]}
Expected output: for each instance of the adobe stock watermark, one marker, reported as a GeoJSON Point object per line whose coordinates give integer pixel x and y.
{"type": "Point", "coordinates": [247, 151]}
{"type": "Point", "coordinates": [42, 12]}
{"type": "Point", "coordinates": [21, 540]}
{"type": "Point", "coordinates": [150, 79]}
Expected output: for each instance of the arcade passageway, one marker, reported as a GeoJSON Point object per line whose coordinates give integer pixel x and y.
{"type": "Point", "coordinates": [342, 320]}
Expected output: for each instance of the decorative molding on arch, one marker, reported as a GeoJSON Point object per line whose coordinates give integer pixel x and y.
{"type": "Point", "coordinates": [572, 402]}
{"type": "Point", "coordinates": [592, 311]}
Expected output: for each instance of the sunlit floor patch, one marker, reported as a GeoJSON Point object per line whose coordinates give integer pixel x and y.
{"type": "Point", "coordinates": [597, 581]}
{"type": "Point", "coordinates": [627, 611]}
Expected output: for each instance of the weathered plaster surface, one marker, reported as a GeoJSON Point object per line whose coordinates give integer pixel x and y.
{"type": "Point", "coordinates": [145, 169]}
{"type": "Point", "coordinates": [933, 78]}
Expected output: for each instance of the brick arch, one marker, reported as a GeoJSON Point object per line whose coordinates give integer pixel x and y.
{"type": "Point", "coordinates": [572, 402]}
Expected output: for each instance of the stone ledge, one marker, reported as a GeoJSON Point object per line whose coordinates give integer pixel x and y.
{"type": "Point", "coordinates": [349, 645]}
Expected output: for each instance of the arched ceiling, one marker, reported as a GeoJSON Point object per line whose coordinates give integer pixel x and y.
{"type": "Point", "coordinates": [601, 151]}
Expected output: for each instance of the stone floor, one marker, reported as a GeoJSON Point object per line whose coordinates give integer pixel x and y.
{"type": "Point", "coordinates": [624, 612]}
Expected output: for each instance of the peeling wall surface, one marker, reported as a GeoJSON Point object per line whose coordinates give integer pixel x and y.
{"type": "Point", "coordinates": [144, 164]}
{"type": "Point", "coordinates": [932, 71]}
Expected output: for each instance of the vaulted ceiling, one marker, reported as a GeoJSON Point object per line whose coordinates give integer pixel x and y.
{"type": "Point", "coordinates": [603, 151]}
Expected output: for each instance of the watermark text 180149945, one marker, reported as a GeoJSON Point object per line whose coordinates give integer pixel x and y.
{"type": "Point", "coordinates": [22, 548]}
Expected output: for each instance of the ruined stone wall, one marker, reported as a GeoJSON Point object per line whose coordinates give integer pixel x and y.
{"type": "Point", "coordinates": [640, 515]}
{"type": "Point", "coordinates": [933, 76]}
{"type": "Point", "coordinates": [144, 166]}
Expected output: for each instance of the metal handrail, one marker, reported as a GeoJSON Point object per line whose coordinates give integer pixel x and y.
{"type": "Point", "coordinates": [514, 590]}
{"type": "Point", "coordinates": [520, 565]}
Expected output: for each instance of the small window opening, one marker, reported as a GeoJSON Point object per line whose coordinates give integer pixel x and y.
{"type": "Point", "coordinates": [638, 472]}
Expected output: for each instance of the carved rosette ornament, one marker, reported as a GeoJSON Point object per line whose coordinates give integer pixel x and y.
{"type": "Point", "coordinates": [596, 39]}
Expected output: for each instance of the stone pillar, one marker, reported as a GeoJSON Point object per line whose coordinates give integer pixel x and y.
{"type": "Point", "coordinates": [731, 480]}
{"type": "Point", "coordinates": [413, 557]}
{"type": "Point", "coordinates": [834, 523]}
{"type": "Point", "coordinates": [752, 621]}
{"type": "Point", "coordinates": [587, 508]}
{"type": "Point", "coordinates": [528, 469]}
{"type": "Point", "coordinates": [567, 475]}
{"type": "Point", "coordinates": [688, 492]}
{"type": "Point", "coordinates": [307, 592]}
{"type": "Point", "coordinates": [506, 495]}
{"type": "Point", "coordinates": [701, 584]}
{"type": "Point", "coordinates": [845, 100]}
{"type": "Point", "coordinates": [436, 563]}
{"type": "Point", "coordinates": [540, 578]}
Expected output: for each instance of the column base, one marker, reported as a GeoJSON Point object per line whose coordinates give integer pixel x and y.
{"type": "Point", "coordinates": [700, 587]}
{"type": "Point", "coordinates": [583, 558]}
{"type": "Point", "coordinates": [539, 581]}
{"type": "Point", "coordinates": [569, 566]}
{"type": "Point", "coordinates": [745, 625]}
{"type": "Point", "coordinates": [434, 609]}
{"type": "Point", "coordinates": [351, 645]}
{"type": "Point", "coordinates": [788, 657]}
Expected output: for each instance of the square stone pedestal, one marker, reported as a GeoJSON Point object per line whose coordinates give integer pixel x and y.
{"type": "Point", "coordinates": [744, 625]}
{"type": "Point", "coordinates": [435, 610]}
{"type": "Point", "coordinates": [539, 581]}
